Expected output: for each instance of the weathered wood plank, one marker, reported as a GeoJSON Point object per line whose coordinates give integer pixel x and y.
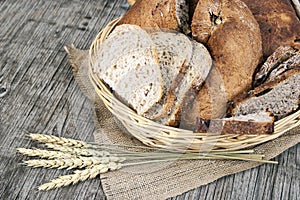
{"type": "Point", "coordinates": [38, 93]}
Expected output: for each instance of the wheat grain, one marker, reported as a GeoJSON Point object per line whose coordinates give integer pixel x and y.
{"type": "Point", "coordinates": [58, 140]}
{"type": "Point", "coordinates": [71, 163]}
{"type": "Point", "coordinates": [77, 151]}
{"type": "Point", "coordinates": [44, 153]}
{"type": "Point", "coordinates": [79, 175]}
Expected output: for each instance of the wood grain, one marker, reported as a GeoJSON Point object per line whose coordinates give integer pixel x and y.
{"type": "Point", "coordinates": [38, 94]}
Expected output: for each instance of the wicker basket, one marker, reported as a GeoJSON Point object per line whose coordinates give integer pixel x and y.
{"type": "Point", "coordinates": [157, 135]}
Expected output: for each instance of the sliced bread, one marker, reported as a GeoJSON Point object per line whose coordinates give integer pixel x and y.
{"type": "Point", "coordinates": [281, 54]}
{"type": "Point", "coordinates": [184, 64]}
{"type": "Point", "coordinates": [116, 45]}
{"type": "Point", "coordinates": [280, 96]}
{"type": "Point", "coordinates": [251, 124]}
{"type": "Point", "coordinates": [192, 77]}
{"type": "Point", "coordinates": [127, 62]}
{"type": "Point", "coordinates": [173, 51]}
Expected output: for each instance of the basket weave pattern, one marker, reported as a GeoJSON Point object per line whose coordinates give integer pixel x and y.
{"type": "Point", "coordinates": [157, 135]}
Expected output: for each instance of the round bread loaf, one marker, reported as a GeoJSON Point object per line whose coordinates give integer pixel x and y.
{"type": "Point", "coordinates": [160, 14]}
{"type": "Point", "coordinates": [278, 23]}
{"type": "Point", "coordinates": [232, 35]}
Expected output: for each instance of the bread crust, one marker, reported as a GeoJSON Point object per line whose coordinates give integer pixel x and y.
{"type": "Point", "coordinates": [236, 126]}
{"type": "Point", "coordinates": [278, 22]}
{"type": "Point", "coordinates": [232, 35]}
{"type": "Point", "coordinates": [155, 14]}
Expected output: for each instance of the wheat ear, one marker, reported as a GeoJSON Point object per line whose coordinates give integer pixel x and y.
{"type": "Point", "coordinates": [80, 175]}
{"type": "Point", "coordinates": [44, 153]}
{"type": "Point", "coordinates": [72, 163]}
{"type": "Point", "coordinates": [77, 151]}
{"type": "Point", "coordinates": [58, 140]}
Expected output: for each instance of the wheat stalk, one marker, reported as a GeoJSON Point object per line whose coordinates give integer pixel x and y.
{"type": "Point", "coordinates": [79, 175]}
{"type": "Point", "coordinates": [58, 140]}
{"type": "Point", "coordinates": [77, 151]}
{"type": "Point", "coordinates": [44, 153]}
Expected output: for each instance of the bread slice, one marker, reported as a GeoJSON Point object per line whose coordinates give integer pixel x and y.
{"type": "Point", "coordinates": [291, 63]}
{"type": "Point", "coordinates": [117, 44]}
{"type": "Point", "coordinates": [281, 54]}
{"type": "Point", "coordinates": [192, 77]}
{"type": "Point", "coordinates": [251, 124]}
{"type": "Point", "coordinates": [173, 51]}
{"type": "Point", "coordinates": [127, 62]}
{"type": "Point", "coordinates": [280, 96]}
{"type": "Point", "coordinates": [159, 14]}
{"type": "Point", "coordinates": [184, 64]}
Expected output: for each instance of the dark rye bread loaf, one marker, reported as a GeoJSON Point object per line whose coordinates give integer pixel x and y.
{"type": "Point", "coordinates": [232, 35]}
{"type": "Point", "coordinates": [281, 96]}
{"type": "Point", "coordinates": [278, 23]}
{"type": "Point", "coordinates": [251, 124]}
{"type": "Point", "coordinates": [159, 14]}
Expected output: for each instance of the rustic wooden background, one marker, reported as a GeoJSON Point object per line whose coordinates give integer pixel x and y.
{"type": "Point", "coordinates": [38, 94]}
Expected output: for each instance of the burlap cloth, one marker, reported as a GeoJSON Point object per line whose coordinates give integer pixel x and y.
{"type": "Point", "coordinates": [159, 181]}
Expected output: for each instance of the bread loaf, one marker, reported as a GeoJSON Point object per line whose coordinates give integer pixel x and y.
{"type": "Point", "coordinates": [281, 96]}
{"type": "Point", "coordinates": [127, 62]}
{"type": "Point", "coordinates": [159, 14]}
{"type": "Point", "coordinates": [232, 36]}
{"type": "Point", "coordinates": [251, 124]}
{"type": "Point", "coordinates": [278, 22]}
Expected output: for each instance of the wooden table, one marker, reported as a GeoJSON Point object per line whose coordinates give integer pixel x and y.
{"type": "Point", "coordinates": [39, 94]}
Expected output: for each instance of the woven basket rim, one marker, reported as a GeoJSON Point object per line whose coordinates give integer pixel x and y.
{"type": "Point", "coordinates": [157, 135]}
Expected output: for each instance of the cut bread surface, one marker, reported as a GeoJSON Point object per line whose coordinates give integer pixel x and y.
{"type": "Point", "coordinates": [127, 62]}
{"type": "Point", "coordinates": [173, 51]}
{"type": "Point", "coordinates": [194, 76]}
{"type": "Point", "coordinates": [280, 96]}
